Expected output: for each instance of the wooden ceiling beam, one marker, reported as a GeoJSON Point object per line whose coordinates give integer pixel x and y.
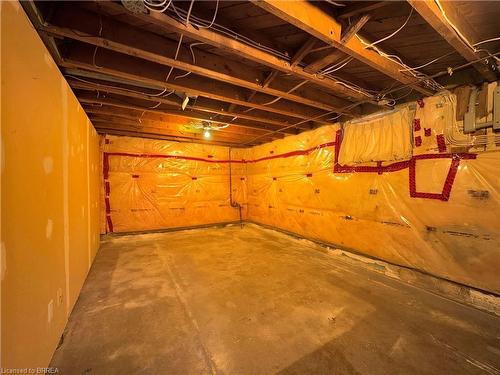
{"type": "Point", "coordinates": [128, 68]}
{"type": "Point", "coordinates": [324, 61]}
{"type": "Point", "coordinates": [234, 46]}
{"type": "Point", "coordinates": [431, 13]}
{"type": "Point", "coordinates": [303, 51]}
{"type": "Point", "coordinates": [84, 26]}
{"type": "Point", "coordinates": [176, 104]}
{"type": "Point", "coordinates": [217, 135]}
{"type": "Point", "coordinates": [113, 129]}
{"type": "Point", "coordinates": [310, 18]}
{"type": "Point", "coordinates": [112, 102]}
{"type": "Point", "coordinates": [351, 30]}
{"type": "Point", "coordinates": [174, 127]}
{"type": "Point", "coordinates": [162, 119]}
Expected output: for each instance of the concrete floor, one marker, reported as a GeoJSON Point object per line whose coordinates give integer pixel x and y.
{"type": "Point", "coordinates": [254, 301]}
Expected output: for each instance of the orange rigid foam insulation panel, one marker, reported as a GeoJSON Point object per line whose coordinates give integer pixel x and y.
{"type": "Point", "coordinates": [390, 186]}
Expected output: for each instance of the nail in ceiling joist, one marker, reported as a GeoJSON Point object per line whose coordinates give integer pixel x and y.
{"type": "Point", "coordinates": [431, 13]}
{"type": "Point", "coordinates": [244, 50]}
{"type": "Point", "coordinates": [308, 17]}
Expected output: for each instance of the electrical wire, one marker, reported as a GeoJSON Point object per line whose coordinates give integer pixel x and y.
{"type": "Point", "coordinates": [428, 63]}
{"type": "Point", "coordinates": [151, 6]}
{"type": "Point", "coordinates": [121, 88]}
{"type": "Point", "coordinates": [487, 41]}
{"type": "Point", "coordinates": [194, 59]}
{"type": "Point", "coordinates": [213, 18]}
{"type": "Point", "coordinates": [202, 23]}
{"type": "Point", "coordinates": [392, 34]}
{"type": "Point", "coordinates": [343, 109]}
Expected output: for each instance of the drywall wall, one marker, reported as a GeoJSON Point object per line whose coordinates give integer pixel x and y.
{"type": "Point", "coordinates": [153, 184]}
{"type": "Point", "coordinates": [50, 188]}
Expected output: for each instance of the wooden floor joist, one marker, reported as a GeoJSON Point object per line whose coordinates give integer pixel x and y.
{"type": "Point", "coordinates": [310, 18]}
{"type": "Point", "coordinates": [244, 50]}
{"type": "Point", "coordinates": [145, 75]}
{"type": "Point", "coordinates": [112, 102]}
{"type": "Point", "coordinates": [122, 38]}
{"type": "Point", "coordinates": [442, 23]}
{"type": "Point", "coordinates": [175, 103]}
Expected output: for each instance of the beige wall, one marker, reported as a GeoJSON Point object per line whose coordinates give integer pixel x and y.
{"type": "Point", "coordinates": [50, 179]}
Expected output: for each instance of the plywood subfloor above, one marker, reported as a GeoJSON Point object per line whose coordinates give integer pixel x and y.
{"type": "Point", "coordinates": [254, 301]}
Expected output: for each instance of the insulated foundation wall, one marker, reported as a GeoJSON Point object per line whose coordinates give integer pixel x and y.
{"type": "Point", "coordinates": [152, 184]}
{"type": "Point", "coordinates": [436, 211]}
{"type": "Point", "coordinates": [49, 195]}
{"type": "Point", "coordinates": [393, 187]}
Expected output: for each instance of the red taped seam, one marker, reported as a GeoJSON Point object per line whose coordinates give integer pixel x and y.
{"type": "Point", "coordinates": [135, 176]}
{"type": "Point", "coordinates": [416, 124]}
{"type": "Point", "coordinates": [410, 164]}
{"type": "Point", "coordinates": [441, 143]}
{"type": "Point", "coordinates": [107, 189]}
{"type": "Point", "coordinates": [162, 156]}
{"type": "Point", "coordinates": [110, 223]}
{"type": "Point", "coordinates": [418, 141]}
{"type": "Point", "coordinates": [105, 165]}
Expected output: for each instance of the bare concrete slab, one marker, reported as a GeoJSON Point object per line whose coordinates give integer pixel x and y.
{"type": "Point", "coordinates": [254, 301]}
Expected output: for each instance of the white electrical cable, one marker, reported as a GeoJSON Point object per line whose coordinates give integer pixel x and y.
{"type": "Point", "coordinates": [213, 18]}
{"type": "Point", "coordinates": [335, 67]}
{"type": "Point", "coordinates": [487, 41]}
{"type": "Point", "coordinates": [151, 6]}
{"type": "Point", "coordinates": [121, 88]}
{"type": "Point", "coordinates": [392, 34]}
{"type": "Point", "coordinates": [428, 63]}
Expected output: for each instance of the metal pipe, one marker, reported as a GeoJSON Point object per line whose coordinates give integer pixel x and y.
{"type": "Point", "coordinates": [231, 202]}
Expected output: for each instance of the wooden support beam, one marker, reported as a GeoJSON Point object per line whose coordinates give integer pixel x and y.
{"type": "Point", "coordinates": [81, 25]}
{"type": "Point", "coordinates": [324, 61]}
{"type": "Point", "coordinates": [303, 51]}
{"type": "Point", "coordinates": [353, 28]}
{"type": "Point", "coordinates": [432, 14]}
{"type": "Point", "coordinates": [175, 104]}
{"type": "Point", "coordinates": [310, 18]}
{"type": "Point", "coordinates": [232, 45]}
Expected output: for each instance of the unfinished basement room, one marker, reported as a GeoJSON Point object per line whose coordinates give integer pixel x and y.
{"type": "Point", "coordinates": [221, 187]}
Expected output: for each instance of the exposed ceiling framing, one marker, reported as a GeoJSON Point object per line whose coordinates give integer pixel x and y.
{"type": "Point", "coordinates": [267, 68]}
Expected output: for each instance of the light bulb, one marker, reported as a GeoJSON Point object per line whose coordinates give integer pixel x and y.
{"type": "Point", "coordinates": [206, 133]}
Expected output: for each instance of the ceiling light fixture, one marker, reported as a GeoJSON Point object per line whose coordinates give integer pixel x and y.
{"type": "Point", "coordinates": [206, 133]}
